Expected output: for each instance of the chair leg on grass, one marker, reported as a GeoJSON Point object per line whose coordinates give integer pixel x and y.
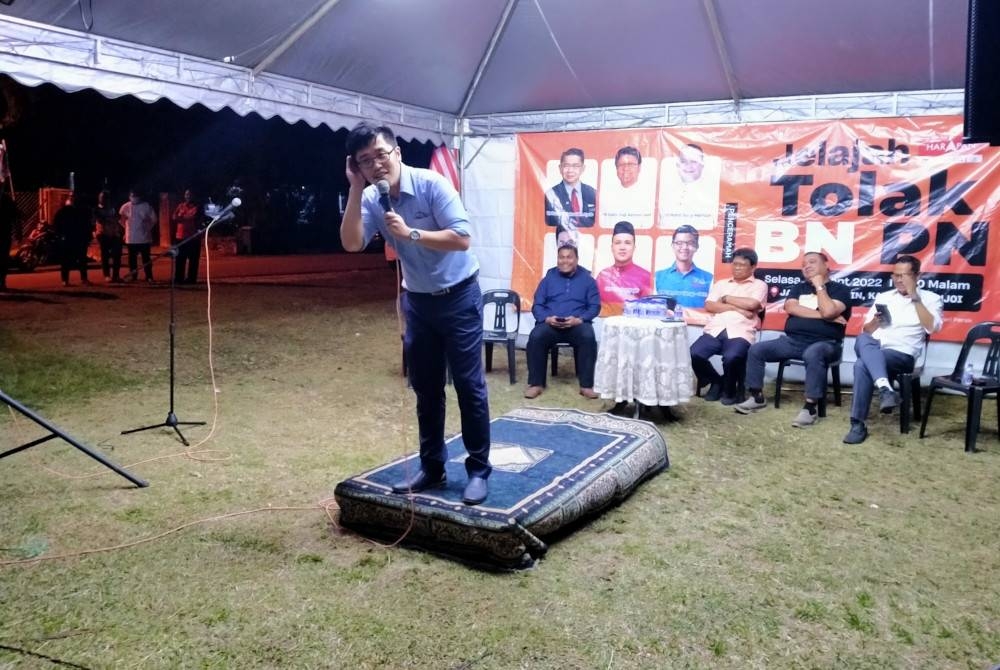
{"type": "Point", "coordinates": [975, 406]}
{"type": "Point", "coordinates": [511, 362]}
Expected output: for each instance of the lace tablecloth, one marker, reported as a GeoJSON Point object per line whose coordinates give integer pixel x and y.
{"type": "Point", "coordinates": [644, 360]}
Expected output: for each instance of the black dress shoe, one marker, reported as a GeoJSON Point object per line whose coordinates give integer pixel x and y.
{"type": "Point", "coordinates": [420, 482]}
{"type": "Point", "coordinates": [475, 491]}
{"type": "Point", "coordinates": [714, 392]}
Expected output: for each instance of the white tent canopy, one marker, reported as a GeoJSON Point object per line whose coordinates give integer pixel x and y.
{"type": "Point", "coordinates": [438, 68]}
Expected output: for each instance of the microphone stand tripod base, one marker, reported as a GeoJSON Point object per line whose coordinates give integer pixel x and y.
{"type": "Point", "coordinates": [170, 422]}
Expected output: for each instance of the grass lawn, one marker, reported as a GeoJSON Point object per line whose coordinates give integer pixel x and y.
{"type": "Point", "coordinates": [764, 546]}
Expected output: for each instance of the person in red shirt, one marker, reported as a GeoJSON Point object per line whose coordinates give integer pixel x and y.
{"type": "Point", "coordinates": [187, 222]}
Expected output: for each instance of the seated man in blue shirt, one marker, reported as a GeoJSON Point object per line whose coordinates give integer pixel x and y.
{"type": "Point", "coordinates": [683, 280]}
{"type": "Point", "coordinates": [423, 218]}
{"type": "Point", "coordinates": [566, 303]}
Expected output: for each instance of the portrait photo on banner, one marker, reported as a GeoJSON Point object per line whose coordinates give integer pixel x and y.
{"type": "Point", "coordinates": [628, 188]}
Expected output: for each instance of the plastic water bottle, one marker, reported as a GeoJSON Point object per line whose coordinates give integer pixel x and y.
{"type": "Point", "coordinates": [678, 312]}
{"type": "Point", "coordinates": [967, 374]}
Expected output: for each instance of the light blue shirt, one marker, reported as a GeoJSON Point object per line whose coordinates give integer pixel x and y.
{"type": "Point", "coordinates": [427, 201]}
{"type": "Point", "coordinates": [689, 289]}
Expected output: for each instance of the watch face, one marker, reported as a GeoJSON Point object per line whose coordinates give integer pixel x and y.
{"type": "Point", "coordinates": [414, 234]}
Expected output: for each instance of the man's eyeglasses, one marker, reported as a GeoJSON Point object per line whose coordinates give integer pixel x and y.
{"type": "Point", "coordinates": [683, 243]}
{"type": "Point", "coordinates": [900, 276]}
{"type": "Point", "coordinates": [380, 157]}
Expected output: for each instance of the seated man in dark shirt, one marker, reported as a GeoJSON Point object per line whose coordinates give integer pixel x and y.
{"type": "Point", "coordinates": [566, 303]}
{"type": "Point", "coordinates": [818, 310]}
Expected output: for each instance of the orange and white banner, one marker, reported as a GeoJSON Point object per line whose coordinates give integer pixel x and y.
{"type": "Point", "coordinates": [861, 191]}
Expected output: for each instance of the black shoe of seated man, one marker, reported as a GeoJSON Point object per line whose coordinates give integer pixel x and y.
{"type": "Point", "coordinates": [714, 392]}
{"type": "Point", "coordinates": [857, 434]}
{"type": "Point", "coordinates": [475, 491]}
{"type": "Point", "coordinates": [731, 400]}
{"type": "Point", "coordinates": [888, 399]}
{"type": "Point", "coordinates": [420, 481]}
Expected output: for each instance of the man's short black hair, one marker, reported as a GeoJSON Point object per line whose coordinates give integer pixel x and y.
{"type": "Point", "coordinates": [686, 229]}
{"type": "Point", "coordinates": [818, 253]}
{"type": "Point", "coordinates": [572, 152]}
{"type": "Point", "coordinates": [569, 246]}
{"type": "Point", "coordinates": [912, 261]}
{"type": "Point", "coordinates": [623, 227]}
{"type": "Point", "coordinates": [364, 134]}
{"type": "Point", "coordinates": [628, 151]}
{"type": "Point", "coordinates": [746, 253]}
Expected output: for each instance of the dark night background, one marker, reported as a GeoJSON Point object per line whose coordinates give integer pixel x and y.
{"type": "Point", "coordinates": [161, 147]}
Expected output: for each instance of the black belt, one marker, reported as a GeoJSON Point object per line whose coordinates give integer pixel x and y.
{"type": "Point", "coordinates": [454, 287]}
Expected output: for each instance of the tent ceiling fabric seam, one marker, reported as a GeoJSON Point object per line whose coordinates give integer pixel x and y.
{"type": "Point", "coordinates": [746, 111]}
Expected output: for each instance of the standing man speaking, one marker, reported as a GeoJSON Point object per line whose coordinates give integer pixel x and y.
{"type": "Point", "coordinates": [420, 214]}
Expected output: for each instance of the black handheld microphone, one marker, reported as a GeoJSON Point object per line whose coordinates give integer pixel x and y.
{"type": "Point", "coordinates": [383, 194]}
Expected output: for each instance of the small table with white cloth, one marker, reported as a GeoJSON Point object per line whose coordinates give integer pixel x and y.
{"type": "Point", "coordinates": [644, 360]}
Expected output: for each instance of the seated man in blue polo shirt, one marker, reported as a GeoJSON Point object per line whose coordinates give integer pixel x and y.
{"type": "Point", "coordinates": [423, 218]}
{"type": "Point", "coordinates": [566, 303]}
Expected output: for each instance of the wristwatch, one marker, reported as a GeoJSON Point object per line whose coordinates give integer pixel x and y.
{"type": "Point", "coordinates": [723, 300]}
{"type": "Point", "coordinates": [414, 234]}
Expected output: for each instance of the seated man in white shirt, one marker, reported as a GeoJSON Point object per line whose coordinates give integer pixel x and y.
{"type": "Point", "coordinates": [891, 340]}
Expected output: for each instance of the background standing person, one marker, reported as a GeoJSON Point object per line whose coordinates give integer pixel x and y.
{"type": "Point", "coordinates": [429, 228]}
{"type": "Point", "coordinates": [186, 219]}
{"type": "Point", "coordinates": [8, 217]}
{"type": "Point", "coordinates": [109, 232]}
{"type": "Point", "coordinates": [72, 223]}
{"type": "Point", "coordinates": [138, 217]}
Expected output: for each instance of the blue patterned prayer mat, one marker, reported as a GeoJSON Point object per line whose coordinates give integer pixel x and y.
{"type": "Point", "coordinates": [551, 467]}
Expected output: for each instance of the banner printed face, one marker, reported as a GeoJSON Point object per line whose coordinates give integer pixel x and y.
{"type": "Point", "coordinates": [861, 191]}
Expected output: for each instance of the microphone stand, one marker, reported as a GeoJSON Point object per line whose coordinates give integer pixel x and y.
{"type": "Point", "coordinates": [171, 421]}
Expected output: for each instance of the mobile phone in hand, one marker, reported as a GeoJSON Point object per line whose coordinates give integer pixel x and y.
{"type": "Point", "coordinates": [883, 314]}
